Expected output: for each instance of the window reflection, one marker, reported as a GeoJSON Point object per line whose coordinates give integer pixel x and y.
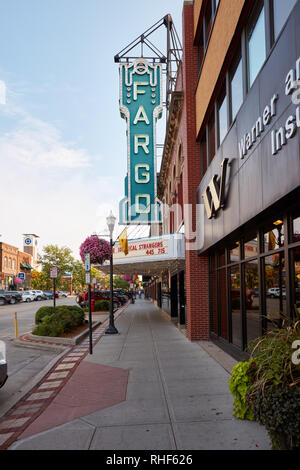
{"type": "Point", "coordinates": [223, 304]}
{"type": "Point", "coordinates": [281, 11]}
{"type": "Point", "coordinates": [235, 293]}
{"type": "Point", "coordinates": [296, 276]}
{"type": "Point", "coordinates": [214, 297]}
{"type": "Point", "coordinates": [236, 83]}
{"type": "Point", "coordinates": [251, 248]}
{"type": "Point", "coordinates": [274, 236]}
{"type": "Point", "coordinates": [252, 300]}
{"type": "Point", "coordinates": [296, 229]}
{"type": "Point", "coordinates": [222, 116]}
{"type": "Point", "coordinates": [212, 136]}
{"type": "Point", "coordinates": [256, 44]}
{"type": "Point", "coordinates": [275, 289]}
{"type": "Point", "coordinates": [234, 253]}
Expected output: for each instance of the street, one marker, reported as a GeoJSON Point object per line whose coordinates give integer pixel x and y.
{"type": "Point", "coordinates": [23, 363]}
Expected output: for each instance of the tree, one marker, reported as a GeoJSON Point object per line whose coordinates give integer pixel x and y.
{"type": "Point", "coordinates": [55, 256]}
{"type": "Point", "coordinates": [120, 283]}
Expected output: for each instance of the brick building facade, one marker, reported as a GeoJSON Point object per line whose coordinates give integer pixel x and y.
{"type": "Point", "coordinates": [12, 262]}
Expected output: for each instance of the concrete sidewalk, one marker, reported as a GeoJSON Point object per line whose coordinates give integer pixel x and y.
{"type": "Point", "coordinates": [147, 388]}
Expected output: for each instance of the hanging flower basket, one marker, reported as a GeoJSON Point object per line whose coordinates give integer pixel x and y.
{"type": "Point", "coordinates": [99, 249]}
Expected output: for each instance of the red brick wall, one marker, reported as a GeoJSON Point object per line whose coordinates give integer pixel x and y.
{"type": "Point", "coordinates": [197, 309]}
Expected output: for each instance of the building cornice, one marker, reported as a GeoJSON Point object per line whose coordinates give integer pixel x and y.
{"type": "Point", "coordinates": [170, 139]}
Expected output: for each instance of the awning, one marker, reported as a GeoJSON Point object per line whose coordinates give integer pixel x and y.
{"type": "Point", "coordinates": [26, 266]}
{"type": "Point", "coordinates": [149, 256]}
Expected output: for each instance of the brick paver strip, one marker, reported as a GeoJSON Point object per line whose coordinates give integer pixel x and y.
{"type": "Point", "coordinates": [58, 375]}
{"type": "Point", "coordinates": [13, 423]}
{"type": "Point", "coordinates": [65, 366]}
{"type": "Point", "coordinates": [50, 384]}
{"type": "Point", "coordinates": [92, 387]}
{"type": "Point", "coordinates": [40, 396]}
{"type": "Point", "coordinates": [5, 437]}
{"type": "Point", "coordinates": [35, 409]}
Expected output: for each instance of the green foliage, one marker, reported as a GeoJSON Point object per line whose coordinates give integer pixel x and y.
{"type": "Point", "coordinates": [55, 322]}
{"type": "Point", "coordinates": [120, 283]}
{"type": "Point", "coordinates": [278, 409]}
{"type": "Point", "coordinates": [274, 397]}
{"type": "Point", "coordinates": [42, 312]}
{"type": "Point", "coordinates": [239, 383]}
{"type": "Point", "coordinates": [101, 305]}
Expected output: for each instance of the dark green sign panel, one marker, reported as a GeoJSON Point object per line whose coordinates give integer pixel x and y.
{"type": "Point", "coordinates": [141, 106]}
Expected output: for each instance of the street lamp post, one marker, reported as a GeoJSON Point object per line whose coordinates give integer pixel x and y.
{"type": "Point", "coordinates": [111, 330]}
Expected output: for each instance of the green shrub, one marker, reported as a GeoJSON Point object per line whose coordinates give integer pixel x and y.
{"type": "Point", "coordinates": [101, 305]}
{"type": "Point", "coordinates": [239, 383]}
{"type": "Point", "coordinates": [41, 312]}
{"type": "Point", "coordinates": [278, 409]}
{"type": "Point", "coordinates": [274, 397]}
{"type": "Point", "coordinates": [60, 321]}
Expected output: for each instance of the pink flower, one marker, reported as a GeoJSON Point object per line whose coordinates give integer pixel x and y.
{"type": "Point", "coordinates": [99, 249]}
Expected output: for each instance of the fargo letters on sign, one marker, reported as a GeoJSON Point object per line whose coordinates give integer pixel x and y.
{"type": "Point", "coordinates": [141, 106]}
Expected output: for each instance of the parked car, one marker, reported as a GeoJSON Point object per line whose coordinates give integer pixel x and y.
{"type": "Point", "coordinates": [63, 293]}
{"type": "Point", "coordinates": [28, 296]}
{"type": "Point", "coordinates": [82, 298]}
{"type": "Point", "coordinates": [48, 294]}
{"type": "Point", "coordinates": [3, 364]}
{"type": "Point", "coordinates": [39, 294]}
{"type": "Point", "coordinates": [14, 296]}
{"type": "Point", "coordinates": [274, 292]}
{"type": "Point", "coordinates": [3, 299]}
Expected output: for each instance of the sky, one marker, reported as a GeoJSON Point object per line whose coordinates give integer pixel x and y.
{"type": "Point", "coordinates": [63, 145]}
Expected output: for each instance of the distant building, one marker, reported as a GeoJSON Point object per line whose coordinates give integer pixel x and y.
{"type": "Point", "coordinates": [30, 246]}
{"type": "Point", "coordinates": [13, 262]}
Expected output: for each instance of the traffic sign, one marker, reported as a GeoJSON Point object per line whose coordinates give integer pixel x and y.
{"type": "Point", "coordinates": [87, 277]}
{"type": "Point", "coordinates": [21, 276]}
{"type": "Point", "coordinates": [87, 262]}
{"type": "Point", "coordinates": [53, 272]}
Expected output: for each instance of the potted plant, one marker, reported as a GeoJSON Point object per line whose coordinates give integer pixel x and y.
{"type": "Point", "coordinates": [274, 396]}
{"type": "Point", "coordinates": [99, 249]}
{"type": "Point", "coordinates": [267, 387]}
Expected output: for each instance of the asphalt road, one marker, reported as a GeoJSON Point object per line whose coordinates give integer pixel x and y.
{"type": "Point", "coordinates": [24, 363]}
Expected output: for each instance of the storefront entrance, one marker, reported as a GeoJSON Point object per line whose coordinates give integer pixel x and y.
{"type": "Point", "coordinates": [255, 281]}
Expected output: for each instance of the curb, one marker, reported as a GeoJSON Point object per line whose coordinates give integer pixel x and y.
{"type": "Point", "coordinates": [52, 343]}
{"type": "Point", "coordinates": [11, 424]}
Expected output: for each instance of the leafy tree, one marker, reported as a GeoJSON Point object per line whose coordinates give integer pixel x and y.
{"type": "Point", "coordinates": [120, 283]}
{"type": "Point", "coordinates": [53, 255]}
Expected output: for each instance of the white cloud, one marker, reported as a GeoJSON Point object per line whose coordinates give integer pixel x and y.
{"type": "Point", "coordinates": [39, 144]}
{"type": "Point", "coordinates": [51, 187]}
{"type": "Point", "coordinates": [2, 92]}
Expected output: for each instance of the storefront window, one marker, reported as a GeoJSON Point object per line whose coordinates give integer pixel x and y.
{"type": "Point", "coordinates": [296, 276]}
{"type": "Point", "coordinates": [214, 297]}
{"type": "Point", "coordinates": [235, 294]}
{"type": "Point", "coordinates": [281, 11]}
{"type": "Point", "coordinates": [212, 136]}
{"type": "Point", "coordinates": [253, 313]}
{"type": "Point", "coordinates": [274, 235]}
{"type": "Point", "coordinates": [275, 289]}
{"type": "Point", "coordinates": [234, 253]}
{"type": "Point", "coordinates": [222, 115]}
{"type": "Point", "coordinates": [296, 229]}
{"type": "Point", "coordinates": [256, 43]}
{"type": "Point", "coordinates": [165, 294]}
{"type": "Point", "coordinates": [251, 248]}
{"type": "Point", "coordinates": [223, 304]}
{"type": "Point", "coordinates": [236, 84]}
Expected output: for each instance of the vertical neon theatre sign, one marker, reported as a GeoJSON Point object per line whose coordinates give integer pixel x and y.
{"type": "Point", "coordinates": [141, 106]}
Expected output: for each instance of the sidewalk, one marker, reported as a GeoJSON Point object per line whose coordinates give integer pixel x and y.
{"type": "Point", "coordinates": [147, 388]}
